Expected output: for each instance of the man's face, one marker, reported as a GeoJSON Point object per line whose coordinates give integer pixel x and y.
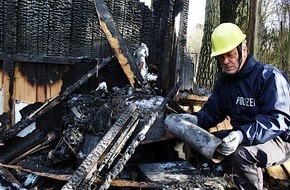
{"type": "Point", "coordinates": [229, 61]}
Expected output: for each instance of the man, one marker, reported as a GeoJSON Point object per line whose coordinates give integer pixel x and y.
{"type": "Point", "coordinates": [256, 97]}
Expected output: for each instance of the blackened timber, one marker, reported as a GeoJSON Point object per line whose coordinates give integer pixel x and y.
{"type": "Point", "coordinates": [121, 162]}
{"type": "Point", "coordinates": [52, 174]}
{"type": "Point", "coordinates": [89, 165]}
{"type": "Point", "coordinates": [5, 173]}
{"type": "Point", "coordinates": [20, 145]}
{"type": "Point", "coordinates": [136, 140]}
{"type": "Point", "coordinates": [113, 150]}
{"type": "Point", "coordinates": [9, 69]}
{"type": "Point", "coordinates": [9, 26]}
{"type": "Point", "coordinates": [65, 60]}
{"type": "Point", "coordinates": [50, 137]}
{"type": "Point", "coordinates": [24, 122]}
{"type": "Point", "coordinates": [117, 43]}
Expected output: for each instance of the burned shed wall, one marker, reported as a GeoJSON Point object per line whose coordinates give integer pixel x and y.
{"type": "Point", "coordinates": [40, 39]}
{"type": "Point", "coordinates": [71, 28]}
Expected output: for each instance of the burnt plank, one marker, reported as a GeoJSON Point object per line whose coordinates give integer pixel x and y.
{"type": "Point", "coordinates": [84, 174]}
{"type": "Point", "coordinates": [18, 145]}
{"type": "Point", "coordinates": [51, 174]}
{"type": "Point", "coordinates": [9, 84]}
{"type": "Point", "coordinates": [66, 60]}
{"type": "Point", "coordinates": [117, 43]}
{"type": "Point", "coordinates": [9, 26]}
{"type": "Point", "coordinates": [8, 176]}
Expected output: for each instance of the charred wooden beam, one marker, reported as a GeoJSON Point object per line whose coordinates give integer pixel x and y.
{"type": "Point", "coordinates": [117, 43]}
{"type": "Point", "coordinates": [114, 150]}
{"type": "Point", "coordinates": [83, 177]}
{"type": "Point", "coordinates": [136, 140]}
{"type": "Point", "coordinates": [66, 60]}
{"type": "Point", "coordinates": [51, 137]}
{"type": "Point", "coordinates": [24, 122]}
{"type": "Point", "coordinates": [8, 87]}
{"type": "Point", "coordinates": [118, 167]}
{"type": "Point", "coordinates": [62, 177]}
{"type": "Point", "coordinates": [8, 176]}
{"type": "Point", "coordinates": [20, 145]}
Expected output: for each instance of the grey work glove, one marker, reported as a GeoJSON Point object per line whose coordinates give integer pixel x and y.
{"type": "Point", "coordinates": [230, 143]}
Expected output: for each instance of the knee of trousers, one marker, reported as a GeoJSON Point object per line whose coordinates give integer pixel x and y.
{"type": "Point", "coordinates": [241, 156]}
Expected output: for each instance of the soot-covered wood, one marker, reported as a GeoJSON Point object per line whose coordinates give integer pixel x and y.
{"type": "Point", "coordinates": [117, 43]}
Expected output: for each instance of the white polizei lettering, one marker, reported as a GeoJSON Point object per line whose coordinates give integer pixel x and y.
{"type": "Point", "coordinates": [244, 101]}
{"type": "Point", "coordinates": [251, 102]}
{"type": "Point", "coordinates": [238, 100]}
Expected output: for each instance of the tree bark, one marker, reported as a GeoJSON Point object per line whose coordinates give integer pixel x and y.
{"type": "Point", "coordinates": [254, 25]}
{"type": "Point", "coordinates": [207, 68]}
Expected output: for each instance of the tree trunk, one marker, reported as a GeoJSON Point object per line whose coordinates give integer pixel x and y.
{"type": "Point", "coordinates": [207, 67]}
{"type": "Point", "coordinates": [254, 24]}
{"type": "Point", "coordinates": [228, 10]}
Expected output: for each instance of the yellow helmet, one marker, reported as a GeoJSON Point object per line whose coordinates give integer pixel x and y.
{"type": "Point", "coordinates": [226, 37]}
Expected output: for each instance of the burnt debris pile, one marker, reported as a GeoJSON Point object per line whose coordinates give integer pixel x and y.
{"type": "Point", "coordinates": [76, 139]}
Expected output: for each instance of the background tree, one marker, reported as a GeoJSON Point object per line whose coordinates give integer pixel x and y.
{"type": "Point", "coordinates": [274, 38]}
{"type": "Point", "coordinates": [253, 34]}
{"type": "Point", "coordinates": [207, 68]}
{"type": "Point", "coordinates": [217, 12]}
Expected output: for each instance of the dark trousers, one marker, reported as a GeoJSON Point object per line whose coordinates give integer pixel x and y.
{"type": "Point", "coordinates": [248, 161]}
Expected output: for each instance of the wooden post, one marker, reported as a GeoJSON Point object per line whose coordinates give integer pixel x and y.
{"type": "Point", "coordinates": [8, 85]}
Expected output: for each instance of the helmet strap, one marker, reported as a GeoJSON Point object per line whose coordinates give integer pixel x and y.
{"type": "Point", "coordinates": [239, 48]}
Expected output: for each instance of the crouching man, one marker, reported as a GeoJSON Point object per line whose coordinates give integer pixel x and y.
{"type": "Point", "coordinates": [256, 97]}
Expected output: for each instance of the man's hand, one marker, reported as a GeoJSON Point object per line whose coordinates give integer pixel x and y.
{"type": "Point", "coordinates": [230, 143]}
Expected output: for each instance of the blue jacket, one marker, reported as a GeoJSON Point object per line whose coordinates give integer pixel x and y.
{"type": "Point", "coordinates": [257, 100]}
